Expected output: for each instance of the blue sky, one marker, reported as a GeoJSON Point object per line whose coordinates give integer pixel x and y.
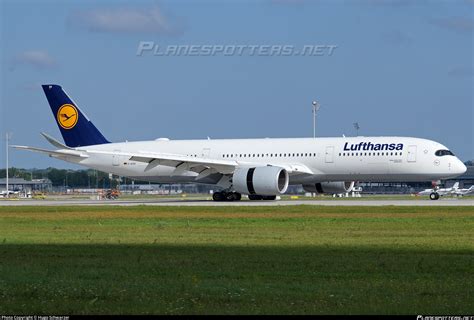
{"type": "Point", "coordinates": [400, 68]}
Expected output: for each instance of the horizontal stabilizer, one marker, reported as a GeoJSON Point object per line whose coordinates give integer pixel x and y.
{"type": "Point", "coordinates": [55, 153]}
{"type": "Point", "coordinates": [54, 142]}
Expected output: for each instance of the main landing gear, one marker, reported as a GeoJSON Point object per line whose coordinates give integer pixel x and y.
{"type": "Point", "coordinates": [434, 195]}
{"type": "Point", "coordinates": [226, 196]}
{"type": "Point", "coordinates": [258, 197]}
{"type": "Point", "coordinates": [235, 196]}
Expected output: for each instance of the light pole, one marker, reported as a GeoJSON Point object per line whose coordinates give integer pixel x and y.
{"type": "Point", "coordinates": [316, 107]}
{"type": "Point", "coordinates": [8, 136]}
{"type": "Point", "coordinates": [357, 127]}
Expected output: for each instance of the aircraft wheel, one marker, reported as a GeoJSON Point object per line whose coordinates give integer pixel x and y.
{"type": "Point", "coordinates": [218, 196]}
{"type": "Point", "coordinates": [269, 198]}
{"type": "Point", "coordinates": [229, 196]}
{"type": "Point", "coordinates": [255, 197]}
{"type": "Point", "coordinates": [237, 196]}
{"type": "Point", "coordinates": [434, 196]}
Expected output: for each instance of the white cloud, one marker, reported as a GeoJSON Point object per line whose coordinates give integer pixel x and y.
{"type": "Point", "coordinates": [36, 58]}
{"type": "Point", "coordinates": [124, 20]}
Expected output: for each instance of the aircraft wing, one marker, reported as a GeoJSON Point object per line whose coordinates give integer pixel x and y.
{"type": "Point", "coordinates": [55, 153]}
{"type": "Point", "coordinates": [445, 192]}
{"type": "Point", "coordinates": [197, 164]}
{"type": "Point", "coordinates": [425, 192]}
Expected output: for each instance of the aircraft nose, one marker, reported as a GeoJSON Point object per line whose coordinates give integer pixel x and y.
{"type": "Point", "coordinates": [460, 167]}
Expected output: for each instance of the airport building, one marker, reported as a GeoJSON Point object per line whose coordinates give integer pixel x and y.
{"type": "Point", "coordinates": [22, 185]}
{"type": "Point", "coordinates": [465, 181]}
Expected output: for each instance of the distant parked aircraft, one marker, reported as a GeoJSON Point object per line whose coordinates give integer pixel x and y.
{"type": "Point", "coordinates": [465, 192]}
{"type": "Point", "coordinates": [3, 193]}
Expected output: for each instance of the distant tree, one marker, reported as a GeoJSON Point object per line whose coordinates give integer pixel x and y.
{"type": "Point", "coordinates": [16, 173]}
{"type": "Point", "coordinates": [57, 176]}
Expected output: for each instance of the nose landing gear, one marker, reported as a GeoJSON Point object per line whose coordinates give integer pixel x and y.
{"type": "Point", "coordinates": [434, 196]}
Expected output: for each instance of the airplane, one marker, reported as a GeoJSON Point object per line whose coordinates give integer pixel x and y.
{"type": "Point", "coordinates": [259, 168]}
{"type": "Point", "coordinates": [3, 193]}
{"type": "Point", "coordinates": [465, 192]}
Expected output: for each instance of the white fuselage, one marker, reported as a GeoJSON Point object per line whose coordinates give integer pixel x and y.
{"type": "Point", "coordinates": [329, 159]}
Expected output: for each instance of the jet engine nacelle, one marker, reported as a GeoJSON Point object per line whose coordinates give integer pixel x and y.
{"type": "Point", "coordinates": [264, 181]}
{"type": "Point", "coordinates": [330, 187]}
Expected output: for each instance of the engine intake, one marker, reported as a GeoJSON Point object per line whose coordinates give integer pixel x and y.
{"type": "Point", "coordinates": [330, 187]}
{"type": "Point", "coordinates": [265, 181]}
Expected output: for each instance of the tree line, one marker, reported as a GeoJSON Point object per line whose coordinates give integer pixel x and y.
{"type": "Point", "coordinates": [66, 177]}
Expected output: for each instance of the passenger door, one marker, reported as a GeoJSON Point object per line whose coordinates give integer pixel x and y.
{"type": "Point", "coordinates": [329, 158]}
{"type": "Point", "coordinates": [116, 158]}
{"type": "Point", "coordinates": [206, 152]}
{"type": "Point", "coordinates": [411, 157]}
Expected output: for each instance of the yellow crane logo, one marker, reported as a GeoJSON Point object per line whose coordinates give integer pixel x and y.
{"type": "Point", "coordinates": [67, 116]}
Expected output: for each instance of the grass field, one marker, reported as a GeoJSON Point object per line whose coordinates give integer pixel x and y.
{"type": "Point", "coordinates": [237, 260]}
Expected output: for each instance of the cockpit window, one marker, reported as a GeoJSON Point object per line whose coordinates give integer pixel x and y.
{"type": "Point", "coordinates": [441, 153]}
